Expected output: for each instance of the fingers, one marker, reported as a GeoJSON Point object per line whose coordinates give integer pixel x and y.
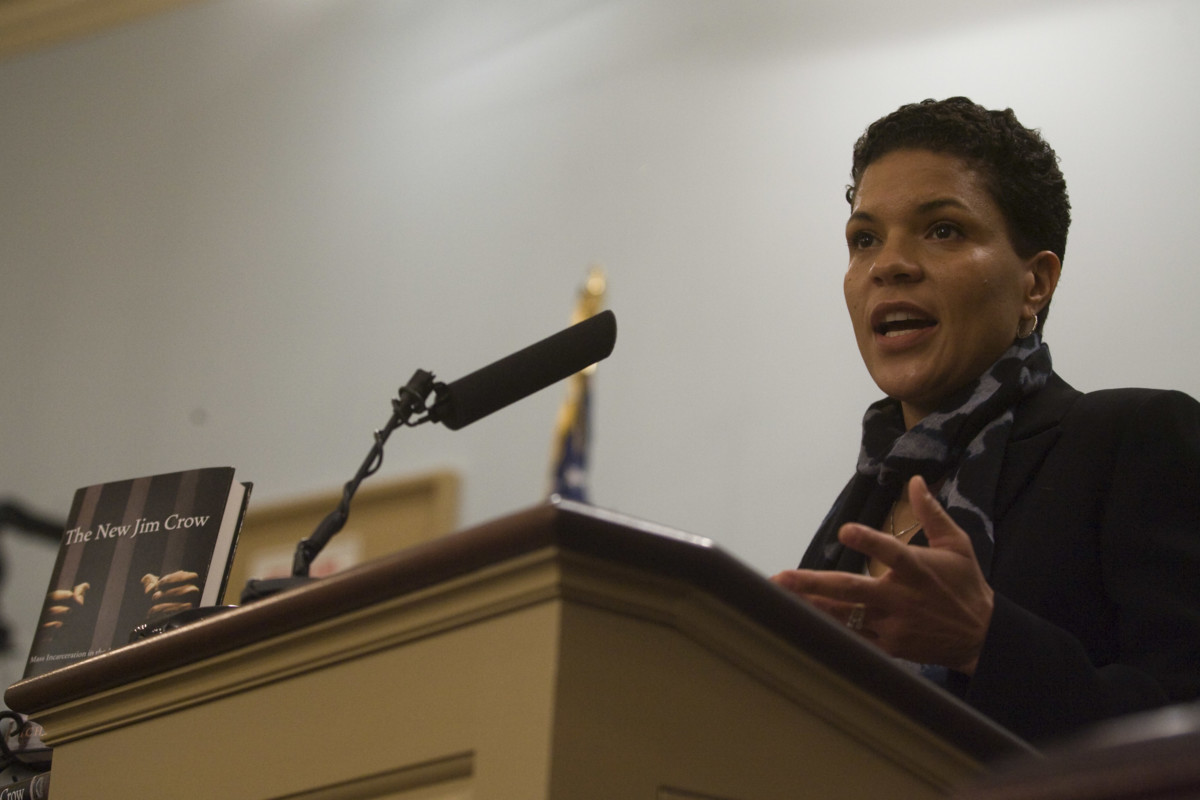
{"type": "Point", "coordinates": [933, 605]}
{"type": "Point", "coordinates": [871, 543]}
{"type": "Point", "coordinates": [941, 531]}
{"type": "Point", "coordinates": [829, 593]}
{"type": "Point", "coordinates": [844, 587]}
{"type": "Point", "coordinates": [910, 565]}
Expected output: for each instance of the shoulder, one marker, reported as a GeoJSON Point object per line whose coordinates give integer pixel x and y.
{"type": "Point", "coordinates": [1137, 409]}
{"type": "Point", "coordinates": [1091, 432]}
{"type": "Point", "coordinates": [1132, 399]}
{"type": "Point", "coordinates": [1153, 431]}
{"type": "Point", "coordinates": [1060, 402]}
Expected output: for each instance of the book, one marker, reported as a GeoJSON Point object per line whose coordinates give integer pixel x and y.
{"type": "Point", "coordinates": [135, 552]}
{"type": "Point", "coordinates": [33, 788]}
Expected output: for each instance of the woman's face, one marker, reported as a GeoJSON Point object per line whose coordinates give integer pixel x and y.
{"type": "Point", "coordinates": [934, 288]}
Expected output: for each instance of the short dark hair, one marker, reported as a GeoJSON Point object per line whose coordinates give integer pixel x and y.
{"type": "Point", "coordinates": [1019, 169]}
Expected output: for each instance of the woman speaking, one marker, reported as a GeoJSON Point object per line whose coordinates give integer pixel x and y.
{"type": "Point", "coordinates": [1033, 549]}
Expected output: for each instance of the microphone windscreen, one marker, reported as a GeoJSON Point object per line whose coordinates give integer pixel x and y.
{"type": "Point", "coordinates": [519, 375]}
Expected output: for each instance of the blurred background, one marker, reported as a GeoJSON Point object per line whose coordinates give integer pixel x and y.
{"type": "Point", "coordinates": [231, 229]}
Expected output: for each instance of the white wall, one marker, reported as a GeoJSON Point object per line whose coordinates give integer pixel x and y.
{"type": "Point", "coordinates": [230, 232]}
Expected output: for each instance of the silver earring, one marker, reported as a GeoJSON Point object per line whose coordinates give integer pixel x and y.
{"type": "Point", "coordinates": [1032, 328]}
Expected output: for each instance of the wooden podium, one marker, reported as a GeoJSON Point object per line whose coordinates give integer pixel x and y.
{"type": "Point", "coordinates": [561, 652]}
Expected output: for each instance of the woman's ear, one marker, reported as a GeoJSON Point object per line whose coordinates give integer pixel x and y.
{"type": "Point", "coordinates": [1044, 270]}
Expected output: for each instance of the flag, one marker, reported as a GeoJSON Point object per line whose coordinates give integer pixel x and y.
{"type": "Point", "coordinates": [572, 430]}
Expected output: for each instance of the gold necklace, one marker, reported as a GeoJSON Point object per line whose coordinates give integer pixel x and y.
{"type": "Point", "coordinates": [892, 525]}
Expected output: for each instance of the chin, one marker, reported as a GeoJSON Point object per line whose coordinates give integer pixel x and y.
{"type": "Point", "coordinates": [902, 388]}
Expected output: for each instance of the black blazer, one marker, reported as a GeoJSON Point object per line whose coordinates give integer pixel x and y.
{"type": "Point", "coordinates": [1096, 566]}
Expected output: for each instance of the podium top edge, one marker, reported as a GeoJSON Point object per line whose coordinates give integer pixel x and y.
{"type": "Point", "coordinates": [571, 527]}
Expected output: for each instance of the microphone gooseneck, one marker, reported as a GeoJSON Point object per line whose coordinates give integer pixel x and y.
{"type": "Point", "coordinates": [457, 405]}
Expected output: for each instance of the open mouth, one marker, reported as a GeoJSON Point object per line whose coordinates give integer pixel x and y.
{"type": "Point", "coordinates": [898, 323]}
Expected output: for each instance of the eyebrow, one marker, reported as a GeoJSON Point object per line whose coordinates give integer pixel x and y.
{"type": "Point", "coordinates": [924, 208]}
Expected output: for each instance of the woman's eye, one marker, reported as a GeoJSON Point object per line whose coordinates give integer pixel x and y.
{"type": "Point", "coordinates": [860, 239]}
{"type": "Point", "coordinates": [944, 230]}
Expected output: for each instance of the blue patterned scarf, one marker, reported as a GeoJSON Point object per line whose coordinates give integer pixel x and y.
{"type": "Point", "coordinates": [961, 445]}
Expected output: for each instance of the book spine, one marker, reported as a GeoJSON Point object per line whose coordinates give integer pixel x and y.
{"type": "Point", "coordinates": [35, 788]}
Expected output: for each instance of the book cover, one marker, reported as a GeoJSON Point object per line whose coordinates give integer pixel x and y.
{"type": "Point", "coordinates": [136, 551]}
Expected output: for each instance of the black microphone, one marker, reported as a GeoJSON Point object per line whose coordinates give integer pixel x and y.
{"type": "Point", "coordinates": [515, 377]}
{"type": "Point", "coordinates": [458, 404]}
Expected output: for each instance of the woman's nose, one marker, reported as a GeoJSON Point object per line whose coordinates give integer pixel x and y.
{"type": "Point", "coordinates": [896, 262]}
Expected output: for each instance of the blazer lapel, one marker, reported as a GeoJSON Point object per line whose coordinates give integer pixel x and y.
{"type": "Point", "coordinates": [1037, 425]}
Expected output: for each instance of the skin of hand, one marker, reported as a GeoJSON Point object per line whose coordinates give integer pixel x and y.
{"type": "Point", "coordinates": [931, 606]}
{"type": "Point", "coordinates": [66, 604]}
{"type": "Point", "coordinates": [173, 592]}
